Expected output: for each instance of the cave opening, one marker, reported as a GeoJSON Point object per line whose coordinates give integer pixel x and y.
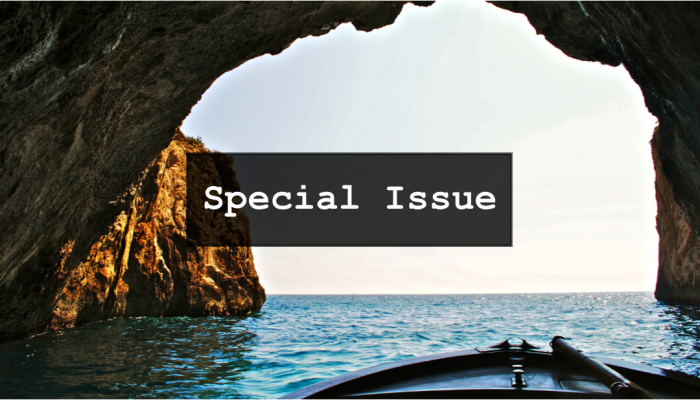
{"type": "Point", "coordinates": [458, 77]}
{"type": "Point", "coordinates": [93, 210]}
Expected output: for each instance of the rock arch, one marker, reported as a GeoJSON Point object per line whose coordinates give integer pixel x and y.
{"type": "Point", "coordinates": [92, 93]}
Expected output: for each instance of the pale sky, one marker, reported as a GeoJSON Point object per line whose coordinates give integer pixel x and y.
{"type": "Point", "coordinates": [457, 77]}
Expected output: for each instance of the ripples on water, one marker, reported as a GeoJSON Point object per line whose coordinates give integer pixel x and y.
{"type": "Point", "coordinates": [299, 340]}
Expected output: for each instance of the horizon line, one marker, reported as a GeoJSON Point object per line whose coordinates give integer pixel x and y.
{"type": "Point", "coordinates": [449, 294]}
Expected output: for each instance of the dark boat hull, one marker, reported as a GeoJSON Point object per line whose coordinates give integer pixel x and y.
{"type": "Point", "coordinates": [488, 373]}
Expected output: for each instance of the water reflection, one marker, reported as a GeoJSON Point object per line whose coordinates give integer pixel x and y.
{"type": "Point", "coordinates": [683, 350]}
{"type": "Point", "coordinates": [146, 357]}
{"type": "Point", "coordinates": [299, 340]}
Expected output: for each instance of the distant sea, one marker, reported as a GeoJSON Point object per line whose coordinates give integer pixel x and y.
{"type": "Point", "coordinates": [299, 340]}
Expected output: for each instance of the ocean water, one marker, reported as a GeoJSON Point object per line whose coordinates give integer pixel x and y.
{"type": "Point", "coordinates": [299, 340]}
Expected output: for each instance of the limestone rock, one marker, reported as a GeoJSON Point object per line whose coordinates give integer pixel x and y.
{"type": "Point", "coordinates": [143, 267]}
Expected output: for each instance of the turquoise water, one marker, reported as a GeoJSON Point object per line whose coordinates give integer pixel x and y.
{"type": "Point", "coordinates": [298, 340]}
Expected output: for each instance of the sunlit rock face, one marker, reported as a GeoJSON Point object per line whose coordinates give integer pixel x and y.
{"type": "Point", "coordinates": [92, 93]}
{"type": "Point", "coordinates": [143, 267]}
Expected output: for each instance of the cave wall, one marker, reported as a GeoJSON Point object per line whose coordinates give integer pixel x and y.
{"type": "Point", "coordinates": [92, 93]}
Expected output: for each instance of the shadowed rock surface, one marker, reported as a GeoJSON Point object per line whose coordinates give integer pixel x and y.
{"type": "Point", "coordinates": [679, 274]}
{"type": "Point", "coordinates": [92, 93]}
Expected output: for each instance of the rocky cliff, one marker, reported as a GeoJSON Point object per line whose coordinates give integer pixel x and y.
{"type": "Point", "coordinates": [92, 93]}
{"type": "Point", "coordinates": [678, 279]}
{"type": "Point", "coordinates": [142, 265]}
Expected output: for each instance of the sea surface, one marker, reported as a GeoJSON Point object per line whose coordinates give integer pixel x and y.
{"type": "Point", "coordinates": [299, 340]}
